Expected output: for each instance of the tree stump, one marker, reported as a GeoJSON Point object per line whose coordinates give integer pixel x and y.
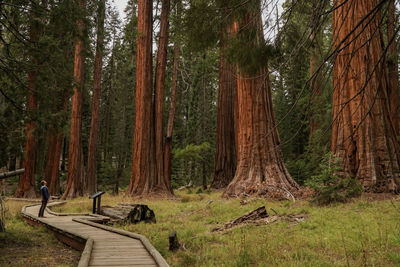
{"type": "Point", "coordinates": [132, 213]}
{"type": "Point", "coordinates": [173, 242]}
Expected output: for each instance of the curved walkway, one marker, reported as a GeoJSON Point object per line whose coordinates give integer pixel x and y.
{"type": "Point", "coordinates": [101, 245]}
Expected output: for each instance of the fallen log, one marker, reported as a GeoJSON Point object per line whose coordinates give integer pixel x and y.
{"type": "Point", "coordinates": [260, 216]}
{"type": "Point", "coordinates": [129, 213]}
{"type": "Point", "coordinates": [4, 175]}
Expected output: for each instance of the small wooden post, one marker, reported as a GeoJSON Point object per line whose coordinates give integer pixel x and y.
{"type": "Point", "coordinates": [173, 242]}
{"type": "Point", "coordinates": [94, 206]}
{"type": "Point", "coordinates": [98, 197]}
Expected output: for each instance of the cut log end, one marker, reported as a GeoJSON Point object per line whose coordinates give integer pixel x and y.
{"type": "Point", "coordinates": [129, 213]}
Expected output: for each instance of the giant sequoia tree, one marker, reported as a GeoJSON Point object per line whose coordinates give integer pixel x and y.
{"type": "Point", "coordinates": [75, 154]}
{"type": "Point", "coordinates": [94, 124]}
{"type": "Point", "coordinates": [260, 168]}
{"type": "Point", "coordinates": [225, 153]}
{"type": "Point", "coordinates": [26, 185]}
{"type": "Point", "coordinates": [363, 134]}
{"type": "Point", "coordinates": [145, 178]}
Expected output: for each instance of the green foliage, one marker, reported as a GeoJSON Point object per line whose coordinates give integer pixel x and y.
{"type": "Point", "coordinates": [329, 186]}
{"type": "Point", "coordinates": [189, 163]}
{"type": "Point", "coordinates": [248, 51]}
{"type": "Point", "coordinates": [202, 31]}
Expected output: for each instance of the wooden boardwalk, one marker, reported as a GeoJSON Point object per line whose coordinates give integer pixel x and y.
{"type": "Point", "coordinates": [101, 245]}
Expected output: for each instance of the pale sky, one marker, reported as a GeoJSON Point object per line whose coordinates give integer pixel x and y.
{"type": "Point", "coordinates": [120, 5]}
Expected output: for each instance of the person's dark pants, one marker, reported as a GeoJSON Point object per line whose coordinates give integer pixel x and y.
{"type": "Point", "coordinates": [42, 208]}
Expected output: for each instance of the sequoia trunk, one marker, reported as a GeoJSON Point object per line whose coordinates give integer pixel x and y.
{"type": "Point", "coordinates": [75, 183]}
{"type": "Point", "coordinates": [363, 135]}
{"type": "Point", "coordinates": [94, 124]}
{"type": "Point", "coordinates": [171, 117]}
{"type": "Point", "coordinates": [26, 185]}
{"type": "Point", "coordinates": [225, 154]}
{"type": "Point", "coordinates": [260, 168]}
{"type": "Point", "coordinates": [159, 95]}
{"type": "Point", "coordinates": [144, 169]}
{"type": "Point", "coordinates": [52, 171]}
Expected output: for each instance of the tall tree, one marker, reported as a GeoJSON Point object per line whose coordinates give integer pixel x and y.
{"type": "Point", "coordinates": [74, 186]}
{"type": "Point", "coordinates": [144, 169]}
{"type": "Point", "coordinates": [171, 118]}
{"type": "Point", "coordinates": [393, 67]}
{"type": "Point", "coordinates": [225, 154]}
{"type": "Point", "coordinates": [363, 135]}
{"type": "Point", "coordinates": [26, 185]}
{"type": "Point", "coordinates": [161, 66]}
{"type": "Point", "coordinates": [94, 124]}
{"type": "Point", "coordinates": [260, 167]}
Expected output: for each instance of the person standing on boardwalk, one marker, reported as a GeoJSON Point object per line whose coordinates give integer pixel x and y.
{"type": "Point", "coordinates": [45, 197]}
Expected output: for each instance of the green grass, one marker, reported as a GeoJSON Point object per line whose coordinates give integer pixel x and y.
{"type": "Point", "coordinates": [359, 233]}
{"type": "Point", "coordinates": [24, 245]}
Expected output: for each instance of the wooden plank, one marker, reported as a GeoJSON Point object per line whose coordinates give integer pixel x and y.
{"type": "Point", "coordinates": [125, 256]}
{"type": "Point", "coordinates": [126, 265]}
{"type": "Point", "coordinates": [120, 262]}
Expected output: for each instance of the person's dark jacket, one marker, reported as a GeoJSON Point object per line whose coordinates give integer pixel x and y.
{"type": "Point", "coordinates": [45, 192]}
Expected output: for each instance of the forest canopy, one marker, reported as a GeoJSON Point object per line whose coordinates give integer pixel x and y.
{"type": "Point", "coordinates": [251, 97]}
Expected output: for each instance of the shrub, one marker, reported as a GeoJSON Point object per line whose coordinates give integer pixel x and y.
{"type": "Point", "coordinates": [329, 187]}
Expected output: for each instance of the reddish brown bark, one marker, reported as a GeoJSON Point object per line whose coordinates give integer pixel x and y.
{"type": "Point", "coordinates": [260, 167]}
{"type": "Point", "coordinates": [52, 172]}
{"type": "Point", "coordinates": [225, 154]}
{"type": "Point", "coordinates": [144, 169]}
{"type": "Point", "coordinates": [171, 117]}
{"type": "Point", "coordinates": [393, 68]}
{"type": "Point", "coordinates": [75, 183]}
{"type": "Point", "coordinates": [362, 132]}
{"type": "Point", "coordinates": [159, 94]}
{"type": "Point", "coordinates": [55, 139]}
{"type": "Point", "coordinates": [26, 185]}
{"type": "Point", "coordinates": [94, 124]}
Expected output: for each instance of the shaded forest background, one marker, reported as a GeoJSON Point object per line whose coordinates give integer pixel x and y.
{"type": "Point", "coordinates": [297, 45]}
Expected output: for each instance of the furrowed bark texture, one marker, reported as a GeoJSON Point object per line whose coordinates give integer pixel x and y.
{"type": "Point", "coordinates": [94, 124]}
{"type": "Point", "coordinates": [161, 65]}
{"type": "Point", "coordinates": [363, 134]}
{"type": "Point", "coordinates": [55, 137]}
{"type": "Point", "coordinates": [75, 183]}
{"type": "Point", "coordinates": [225, 154]}
{"type": "Point", "coordinates": [144, 169]}
{"type": "Point", "coordinates": [393, 68]}
{"type": "Point", "coordinates": [52, 171]}
{"type": "Point", "coordinates": [26, 185]}
{"type": "Point", "coordinates": [260, 168]}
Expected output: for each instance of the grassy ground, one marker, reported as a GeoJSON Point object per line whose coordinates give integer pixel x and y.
{"type": "Point", "coordinates": [364, 232]}
{"type": "Point", "coordinates": [24, 245]}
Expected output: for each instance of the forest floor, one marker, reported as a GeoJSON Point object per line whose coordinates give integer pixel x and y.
{"type": "Point", "coordinates": [24, 245]}
{"type": "Point", "coordinates": [364, 232]}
